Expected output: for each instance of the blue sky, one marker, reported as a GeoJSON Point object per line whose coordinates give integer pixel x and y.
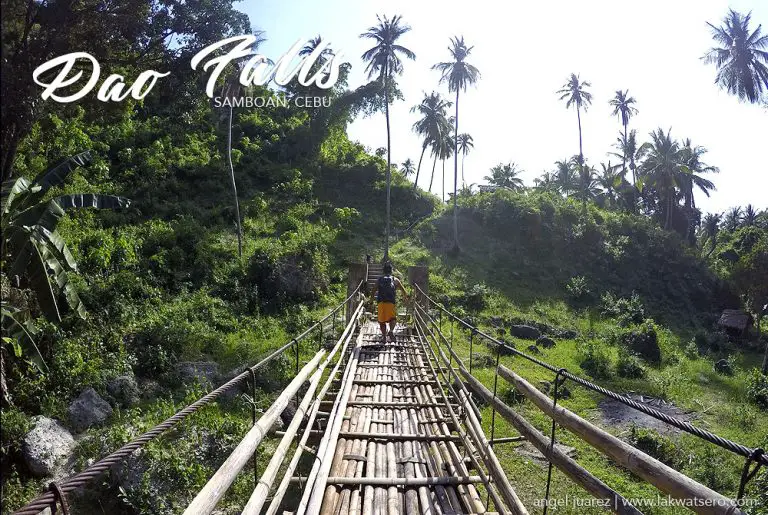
{"type": "Point", "coordinates": [525, 52]}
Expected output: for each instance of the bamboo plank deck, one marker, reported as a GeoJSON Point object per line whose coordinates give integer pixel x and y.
{"type": "Point", "coordinates": [395, 451]}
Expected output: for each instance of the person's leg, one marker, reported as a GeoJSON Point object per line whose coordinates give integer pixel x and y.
{"type": "Point", "coordinates": [392, 324]}
{"type": "Point", "coordinates": [382, 321]}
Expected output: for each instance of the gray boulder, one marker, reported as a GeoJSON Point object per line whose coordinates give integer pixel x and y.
{"type": "Point", "coordinates": [724, 367]}
{"type": "Point", "coordinates": [496, 321]}
{"type": "Point", "coordinates": [88, 410]}
{"type": "Point", "coordinates": [203, 372]}
{"type": "Point", "coordinates": [123, 391]}
{"type": "Point", "coordinates": [545, 341]}
{"type": "Point", "coordinates": [533, 349]}
{"type": "Point", "coordinates": [567, 334]}
{"type": "Point", "coordinates": [525, 332]}
{"type": "Point", "coordinates": [46, 446]}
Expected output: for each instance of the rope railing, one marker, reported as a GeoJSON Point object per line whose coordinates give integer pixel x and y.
{"type": "Point", "coordinates": [57, 491]}
{"type": "Point", "coordinates": [757, 456]}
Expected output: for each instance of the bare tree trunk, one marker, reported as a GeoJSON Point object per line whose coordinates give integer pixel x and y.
{"type": "Point", "coordinates": [432, 178]}
{"type": "Point", "coordinates": [443, 192]}
{"type": "Point", "coordinates": [234, 186]}
{"type": "Point", "coordinates": [389, 158]}
{"type": "Point", "coordinates": [581, 151]}
{"type": "Point", "coordinates": [456, 174]}
{"type": "Point", "coordinates": [418, 168]}
{"type": "Point", "coordinates": [765, 357]}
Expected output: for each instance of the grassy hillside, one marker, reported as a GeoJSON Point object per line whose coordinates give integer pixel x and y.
{"type": "Point", "coordinates": [545, 261]}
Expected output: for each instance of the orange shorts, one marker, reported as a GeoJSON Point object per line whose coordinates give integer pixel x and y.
{"type": "Point", "coordinates": [387, 312]}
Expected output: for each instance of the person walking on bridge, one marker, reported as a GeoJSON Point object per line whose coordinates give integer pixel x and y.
{"type": "Point", "coordinates": [385, 293]}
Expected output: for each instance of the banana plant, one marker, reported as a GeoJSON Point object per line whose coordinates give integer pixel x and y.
{"type": "Point", "coordinates": [34, 255]}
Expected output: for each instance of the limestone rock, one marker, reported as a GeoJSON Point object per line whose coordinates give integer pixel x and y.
{"type": "Point", "coordinates": [88, 410]}
{"type": "Point", "coordinates": [124, 391]}
{"type": "Point", "coordinates": [525, 332]}
{"type": "Point", "coordinates": [203, 372]}
{"type": "Point", "coordinates": [46, 446]}
{"type": "Point", "coordinates": [546, 342]}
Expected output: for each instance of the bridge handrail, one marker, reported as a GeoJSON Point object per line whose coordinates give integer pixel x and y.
{"type": "Point", "coordinates": [757, 455]}
{"type": "Point", "coordinates": [58, 490]}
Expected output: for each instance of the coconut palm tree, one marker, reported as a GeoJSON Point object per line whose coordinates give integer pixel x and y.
{"type": "Point", "coordinates": [466, 144]}
{"type": "Point", "coordinates": [710, 226]}
{"type": "Point", "coordinates": [750, 216]}
{"type": "Point", "coordinates": [384, 61]}
{"type": "Point", "coordinates": [575, 93]}
{"type": "Point", "coordinates": [565, 175]}
{"type": "Point", "coordinates": [610, 180]}
{"type": "Point", "coordinates": [459, 74]}
{"type": "Point", "coordinates": [407, 168]}
{"type": "Point", "coordinates": [692, 171]}
{"type": "Point", "coordinates": [546, 182]}
{"type": "Point", "coordinates": [733, 218]}
{"type": "Point", "coordinates": [662, 170]}
{"type": "Point", "coordinates": [506, 176]}
{"type": "Point", "coordinates": [587, 188]}
{"type": "Point", "coordinates": [438, 141]}
{"type": "Point", "coordinates": [740, 57]}
{"type": "Point", "coordinates": [623, 107]}
{"type": "Point", "coordinates": [312, 44]}
{"type": "Point", "coordinates": [432, 122]}
{"type": "Point", "coordinates": [446, 147]}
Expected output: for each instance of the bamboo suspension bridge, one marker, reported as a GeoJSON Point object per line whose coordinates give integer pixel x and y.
{"type": "Point", "coordinates": [385, 429]}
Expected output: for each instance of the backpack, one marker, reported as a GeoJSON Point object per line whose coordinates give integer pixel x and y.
{"type": "Point", "coordinates": [385, 291]}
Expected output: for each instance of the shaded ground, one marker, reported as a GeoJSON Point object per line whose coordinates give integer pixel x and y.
{"type": "Point", "coordinates": [614, 413]}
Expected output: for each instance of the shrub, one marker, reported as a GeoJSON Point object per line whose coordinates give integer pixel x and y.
{"type": "Point", "coordinates": [757, 388]}
{"type": "Point", "coordinates": [596, 362]}
{"type": "Point", "coordinates": [656, 445]}
{"type": "Point", "coordinates": [578, 290]}
{"type": "Point", "coordinates": [476, 298]}
{"type": "Point", "coordinates": [643, 341]}
{"type": "Point", "coordinates": [629, 365]}
{"type": "Point", "coordinates": [626, 311]}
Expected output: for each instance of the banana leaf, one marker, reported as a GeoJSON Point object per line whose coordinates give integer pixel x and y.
{"type": "Point", "coordinates": [56, 243]}
{"type": "Point", "coordinates": [94, 200]}
{"type": "Point", "coordinates": [61, 171]}
{"type": "Point", "coordinates": [11, 189]}
{"type": "Point", "coordinates": [23, 335]}
{"type": "Point", "coordinates": [41, 283]}
{"type": "Point", "coordinates": [44, 214]}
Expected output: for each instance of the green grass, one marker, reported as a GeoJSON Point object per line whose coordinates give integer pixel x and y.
{"type": "Point", "coordinates": [690, 383]}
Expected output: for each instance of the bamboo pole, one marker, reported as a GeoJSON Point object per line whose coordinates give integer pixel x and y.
{"type": "Point", "coordinates": [312, 498]}
{"type": "Point", "coordinates": [346, 337]}
{"type": "Point", "coordinates": [259, 495]}
{"type": "Point", "coordinates": [491, 488]}
{"type": "Point", "coordinates": [214, 490]}
{"type": "Point", "coordinates": [404, 481]}
{"type": "Point", "coordinates": [576, 472]}
{"type": "Point", "coordinates": [668, 480]}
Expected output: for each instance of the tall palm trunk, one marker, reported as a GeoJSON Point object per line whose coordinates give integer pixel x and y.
{"type": "Point", "coordinates": [389, 158]}
{"type": "Point", "coordinates": [443, 193]}
{"type": "Point", "coordinates": [463, 182]}
{"type": "Point", "coordinates": [456, 174]}
{"type": "Point", "coordinates": [234, 186]}
{"type": "Point", "coordinates": [432, 178]}
{"type": "Point", "coordinates": [418, 168]}
{"type": "Point", "coordinates": [581, 151]}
